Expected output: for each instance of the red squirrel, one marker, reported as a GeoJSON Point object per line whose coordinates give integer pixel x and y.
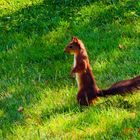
{"type": "Point", "coordinates": [88, 91]}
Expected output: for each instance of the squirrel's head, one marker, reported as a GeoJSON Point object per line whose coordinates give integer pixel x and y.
{"type": "Point", "coordinates": [74, 47]}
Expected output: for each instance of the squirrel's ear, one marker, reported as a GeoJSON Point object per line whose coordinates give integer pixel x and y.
{"type": "Point", "coordinates": [74, 39]}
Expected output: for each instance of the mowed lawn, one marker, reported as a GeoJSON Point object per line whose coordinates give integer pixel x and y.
{"type": "Point", "coordinates": [35, 72]}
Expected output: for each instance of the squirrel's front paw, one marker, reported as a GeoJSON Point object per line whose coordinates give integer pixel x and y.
{"type": "Point", "coordinates": [72, 75]}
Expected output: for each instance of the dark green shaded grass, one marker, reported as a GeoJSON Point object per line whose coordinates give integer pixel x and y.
{"type": "Point", "coordinates": [34, 71]}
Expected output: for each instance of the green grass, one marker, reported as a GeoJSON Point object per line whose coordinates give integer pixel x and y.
{"type": "Point", "coordinates": [34, 71]}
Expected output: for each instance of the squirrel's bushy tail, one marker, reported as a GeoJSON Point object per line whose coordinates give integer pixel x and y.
{"type": "Point", "coordinates": [122, 87]}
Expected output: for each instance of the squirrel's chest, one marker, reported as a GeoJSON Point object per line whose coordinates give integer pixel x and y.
{"type": "Point", "coordinates": [74, 63]}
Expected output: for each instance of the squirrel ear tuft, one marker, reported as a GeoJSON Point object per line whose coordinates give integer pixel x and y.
{"type": "Point", "coordinates": [74, 39]}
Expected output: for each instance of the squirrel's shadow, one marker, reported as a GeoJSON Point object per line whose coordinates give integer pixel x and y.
{"type": "Point", "coordinates": [117, 102]}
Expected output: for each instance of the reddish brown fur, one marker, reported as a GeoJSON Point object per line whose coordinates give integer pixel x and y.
{"type": "Point", "coordinates": [88, 90]}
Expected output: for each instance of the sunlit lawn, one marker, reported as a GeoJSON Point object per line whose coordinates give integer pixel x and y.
{"type": "Point", "coordinates": [34, 71]}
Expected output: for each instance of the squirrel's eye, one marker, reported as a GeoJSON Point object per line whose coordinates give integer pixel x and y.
{"type": "Point", "coordinates": [70, 46]}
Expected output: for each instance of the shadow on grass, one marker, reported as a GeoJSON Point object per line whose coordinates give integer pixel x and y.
{"type": "Point", "coordinates": [118, 101]}
{"type": "Point", "coordinates": [41, 19]}
{"type": "Point", "coordinates": [69, 108]}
